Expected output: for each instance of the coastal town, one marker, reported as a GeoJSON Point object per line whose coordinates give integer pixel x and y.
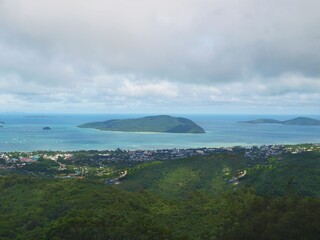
{"type": "Point", "coordinates": [79, 164]}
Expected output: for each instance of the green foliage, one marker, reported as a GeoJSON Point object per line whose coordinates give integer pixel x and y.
{"type": "Point", "coordinates": [2, 161]}
{"type": "Point", "coordinates": [44, 166]}
{"type": "Point", "coordinates": [301, 172]}
{"type": "Point", "coordinates": [189, 198]}
{"type": "Point", "coordinates": [34, 208]}
{"type": "Point", "coordinates": [177, 178]}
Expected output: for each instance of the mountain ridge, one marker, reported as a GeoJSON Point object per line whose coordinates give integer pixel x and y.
{"type": "Point", "coordinates": [301, 121]}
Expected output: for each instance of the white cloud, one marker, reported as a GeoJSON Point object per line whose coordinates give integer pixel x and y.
{"type": "Point", "coordinates": [159, 89]}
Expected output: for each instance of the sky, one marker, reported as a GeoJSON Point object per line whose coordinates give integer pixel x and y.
{"type": "Point", "coordinates": [160, 56]}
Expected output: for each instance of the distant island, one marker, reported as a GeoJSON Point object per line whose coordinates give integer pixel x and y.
{"type": "Point", "coordinates": [302, 121]}
{"type": "Point", "coordinates": [46, 128]}
{"type": "Point", "coordinates": [161, 123]}
{"type": "Point", "coordinates": [37, 116]}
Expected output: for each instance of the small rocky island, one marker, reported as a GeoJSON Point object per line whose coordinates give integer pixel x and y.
{"type": "Point", "coordinates": [302, 121]}
{"type": "Point", "coordinates": [161, 123]}
{"type": "Point", "coordinates": [46, 128]}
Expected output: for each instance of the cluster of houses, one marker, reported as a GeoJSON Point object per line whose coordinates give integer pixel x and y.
{"type": "Point", "coordinates": [8, 157]}
{"type": "Point", "coordinates": [163, 154]}
{"type": "Point", "coordinates": [10, 162]}
{"type": "Point", "coordinates": [56, 157]}
{"type": "Point", "coordinates": [159, 154]}
{"type": "Point", "coordinates": [16, 160]}
{"type": "Point", "coordinates": [254, 153]}
{"type": "Point", "coordinates": [21, 159]}
{"type": "Point", "coordinates": [303, 148]}
{"type": "Point", "coordinates": [264, 152]}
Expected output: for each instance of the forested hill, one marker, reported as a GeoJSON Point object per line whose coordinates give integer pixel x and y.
{"type": "Point", "coordinates": [303, 121]}
{"type": "Point", "coordinates": [33, 208]}
{"type": "Point", "coordinates": [267, 192]}
{"type": "Point", "coordinates": [161, 123]}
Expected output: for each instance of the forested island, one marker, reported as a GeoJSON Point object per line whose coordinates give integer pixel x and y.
{"type": "Point", "coordinates": [256, 192]}
{"type": "Point", "coordinates": [161, 123]}
{"type": "Point", "coordinates": [302, 121]}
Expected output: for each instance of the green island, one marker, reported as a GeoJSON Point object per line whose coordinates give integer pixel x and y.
{"type": "Point", "coordinates": [302, 121]}
{"type": "Point", "coordinates": [160, 123]}
{"type": "Point", "coordinates": [256, 192]}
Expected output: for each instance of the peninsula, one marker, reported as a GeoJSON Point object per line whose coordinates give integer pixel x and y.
{"type": "Point", "coordinates": [302, 121]}
{"type": "Point", "coordinates": [161, 123]}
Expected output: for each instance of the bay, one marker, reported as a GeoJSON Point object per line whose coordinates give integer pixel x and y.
{"type": "Point", "coordinates": [24, 132]}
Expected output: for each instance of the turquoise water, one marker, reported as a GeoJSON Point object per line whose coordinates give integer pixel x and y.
{"type": "Point", "coordinates": [24, 133]}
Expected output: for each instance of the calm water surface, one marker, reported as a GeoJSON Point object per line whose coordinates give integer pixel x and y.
{"type": "Point", "coordinates": [24, 133]}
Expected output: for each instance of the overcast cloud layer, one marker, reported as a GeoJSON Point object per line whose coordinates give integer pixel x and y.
{"type": "Point", "coordinates": [181, 56]}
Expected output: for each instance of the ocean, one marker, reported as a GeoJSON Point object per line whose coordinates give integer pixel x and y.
{"type": "Point", "coordinates": [24, 132]}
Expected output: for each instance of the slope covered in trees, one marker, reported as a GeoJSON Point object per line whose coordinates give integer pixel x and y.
{"type": "Point", "coordinates": [199, 197]}
{"type": "Point", "coordinates": [33, 208]}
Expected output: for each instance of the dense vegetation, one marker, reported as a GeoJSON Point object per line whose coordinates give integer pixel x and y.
{"type": "Point", "coordinates": [212, 175]}
{"type": "Point", "coordinates": [162, 123]}
{"type": "Point", "coordinates": [191, 198]}
{"type": "Point", "coordinates": [33, 208]}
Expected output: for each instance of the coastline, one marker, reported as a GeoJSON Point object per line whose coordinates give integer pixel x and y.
{"type": "Point", "coordinates": [26, 134]}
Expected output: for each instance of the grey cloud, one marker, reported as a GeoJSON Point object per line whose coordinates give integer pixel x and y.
{"type": "Point", "coordinates": [206, 40]}
{"type": "Point", "coordinates": [65, 46]}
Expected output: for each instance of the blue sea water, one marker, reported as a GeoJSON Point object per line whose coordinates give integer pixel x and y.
{"type": "Point", "coordinates": [22, 132]}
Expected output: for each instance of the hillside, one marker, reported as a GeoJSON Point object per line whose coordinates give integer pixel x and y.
{"type": "Point", "coordinates": [161, 123]}
{"type": "Point", "coordinates": [295, 172]}
{"type": "Point", "coordinates": [33, 208]}
{"type": "Point", "coordinates": [213, 174]}
{"type": "Point", "coordinates": [189, 198]}
{"type": "Point", "coordinates": [302, 121]}
{"type": "Point", "coordinates": [177, 178]}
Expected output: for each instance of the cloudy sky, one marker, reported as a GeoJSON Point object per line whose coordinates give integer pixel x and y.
{"type": "Point", "coordinates": [160, 56]}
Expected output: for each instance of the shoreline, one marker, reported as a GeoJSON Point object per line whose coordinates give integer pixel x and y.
{"type": "Point", "coordinates": [245, 146]}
